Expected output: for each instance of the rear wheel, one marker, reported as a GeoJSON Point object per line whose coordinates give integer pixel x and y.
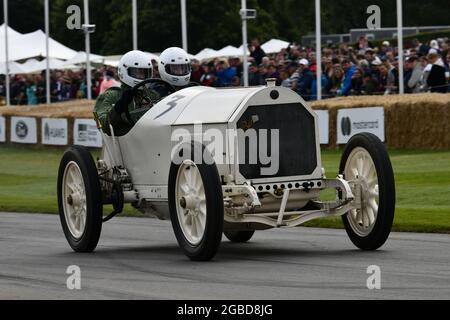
{"type": "Point", "coordinates": [79, 199]}
{"type": "Point", "coordinates": [366, 165]}
{"type": "Point", "coordinates": [239, 236]}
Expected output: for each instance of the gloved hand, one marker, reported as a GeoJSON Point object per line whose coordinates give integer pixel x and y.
{"type": "Point", "coordinates": [124, 101]}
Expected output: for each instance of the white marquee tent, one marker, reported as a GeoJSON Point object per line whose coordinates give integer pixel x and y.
{"type": "Point", "coordinates": [14, 68]}
{"type": "Point", "coordinates": [229, 51]}
{"type": "Point", "coordinates": [30, 45]}
{"type": "Point", "coordinates": [80, 57]}
{"type": "Point", "coordinates": [33, 65]}
{"type": "Point", "coordinates": [206, 54]}
{"type": "Point", "coordinates": [274, 46]}
{"type": "Point", "coordinates": [270, 47]}
{"type": "Point", "coordinates": [113, 60]}
{"type": "Point", "coordinates": [241, 51]}
{"type": "Point", "coordinates": [11, 31]}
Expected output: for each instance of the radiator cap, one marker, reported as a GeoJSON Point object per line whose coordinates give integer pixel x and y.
{"type": "Point", "coordinates": [271, 82]}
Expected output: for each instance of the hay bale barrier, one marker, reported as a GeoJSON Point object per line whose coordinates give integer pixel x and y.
{"type": "Point", "coordinates": [70, 110]}
{"type": "Point", "coordinates": [413, 121]}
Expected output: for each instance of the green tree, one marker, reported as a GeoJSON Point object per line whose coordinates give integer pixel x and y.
{"type": "Point", "coordinates": [213, 24]}
{"type": "Point", "coordinates": [58, 29]}
{"type": "Point", "coordinates": [98, 15]}
{"type": "Point", "coordinates": [33, 10]}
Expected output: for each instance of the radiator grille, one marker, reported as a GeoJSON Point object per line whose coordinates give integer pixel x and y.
{"type": "Point", "coordinates": [297, 140]}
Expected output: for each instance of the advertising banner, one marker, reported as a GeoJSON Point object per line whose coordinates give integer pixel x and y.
{"type": "Point", "coordinates": [357, 120]}
{"type": "Point", "coordinates": [85, 133]}
{"type": "Point", "coordinates": [23, 130]}
{"type": "Point", "coordinates": [54, 131]}
{"type": "Point", "coordinates": [2, 129]}
{"type": "Point", "coordinates": [323, 125]}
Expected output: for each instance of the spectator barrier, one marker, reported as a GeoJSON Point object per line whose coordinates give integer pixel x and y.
{"type": "Point", "coordinates": [414, 121]}
{"type": "Point", "coordinates": [417, 121]}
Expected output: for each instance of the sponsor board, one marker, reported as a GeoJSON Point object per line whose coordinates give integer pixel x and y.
{"type": "Point", "coordinates": [358, 120]}
{"type": "Point", "coordinates": [85, 133]}
{"type": "Point", "coordinates": [23, 130]}
{"type": "Point", "coordinates": [2, 129]}
{"type": "Point", "coordinates": [54, 131]}
{"type": "Point", "coordinates": [323, 125]}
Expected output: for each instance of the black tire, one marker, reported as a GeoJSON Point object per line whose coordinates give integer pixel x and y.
{"type": "Point", "coordinates": [207, 248]}
{"type": "Point", "coordinates": [386, 190]}
{"type": "Point", "coordinates": [239, 236]}
{"type": "Point", "coordinates": [94, 207]}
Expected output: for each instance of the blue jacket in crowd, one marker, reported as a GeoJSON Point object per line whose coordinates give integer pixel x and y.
{"type": "Point", "coordinates": [226, 76]}
{"type": "Point", "coordinates": [304, 82]}
{"type": "Point", "coordinates": [324, 81]}
{"type": "Point", "coordinates": [347, 83]}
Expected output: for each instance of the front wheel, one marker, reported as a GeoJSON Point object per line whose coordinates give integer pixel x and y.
{"type": "Point", "coordinates": [365, 164]}
{"type": "Point", "coordinates": [79, 199]}
{"type": "Point", "coordinates": [196, 207]}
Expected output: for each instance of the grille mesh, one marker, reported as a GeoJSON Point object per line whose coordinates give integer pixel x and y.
{"type": "Point", "coordinates": [297, 140]}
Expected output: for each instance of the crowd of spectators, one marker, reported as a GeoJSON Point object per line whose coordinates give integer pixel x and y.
{"type": "Point", "coordinates": [362, 69]}
{"type": "Point", "coordinates": [30, 89]}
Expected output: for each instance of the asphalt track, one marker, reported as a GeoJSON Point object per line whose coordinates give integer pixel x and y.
{"type": "Point", "coordinates": [138, 258]}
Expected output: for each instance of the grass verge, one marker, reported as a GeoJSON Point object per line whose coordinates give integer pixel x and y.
{"type": "Point", "coordinates": [28, 184]}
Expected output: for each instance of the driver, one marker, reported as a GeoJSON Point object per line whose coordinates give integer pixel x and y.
{"type": "Point", "coordinates": [111, 106]}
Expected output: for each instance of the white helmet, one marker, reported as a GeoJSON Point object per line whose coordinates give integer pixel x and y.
{"type": "Point", "coordinates": [175, 66]}
{"type": "Point", "coordinates": [134, 67]}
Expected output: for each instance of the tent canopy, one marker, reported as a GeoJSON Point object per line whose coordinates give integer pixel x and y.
{"type": "Point", "coordinates": [241, 50]}
{"type": "Point", "coordinates": [11, 31]}
{"type": "Point", "coordinates": [113, 61]}
{"type": "Point", "coordinates": [30, 45]}
{"type": "Point", "coordinates": [81, 57]}
{"type": "Point", "coordinates": [229, 51]}
{"type": "Point", "coordinates": [206, 53]}
{"type": "Point", "coordinates": [33, 65]}
{"type": "Point", "coordinates": [30, 64]}
{"type": "Point", "coordinates": [14, 68]}
{"type": "Point", "coordinates": [270, 47]}
{"type": "Point", "coordinates": [274, 46]}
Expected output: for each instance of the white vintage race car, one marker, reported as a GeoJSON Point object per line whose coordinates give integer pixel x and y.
{"type": "Point", "coordinates": [226, 161]}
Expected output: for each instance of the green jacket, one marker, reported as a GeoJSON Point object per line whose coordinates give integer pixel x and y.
{"type": "Point", "coordinates": [104, 108]}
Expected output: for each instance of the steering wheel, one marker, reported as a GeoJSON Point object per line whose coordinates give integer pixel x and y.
{"type": "Point", "coordinates": [193, 84]}
{"type": "Point", "coordinates": [155, 80]}
{"type": "Point", "coordinates": [167, 85]}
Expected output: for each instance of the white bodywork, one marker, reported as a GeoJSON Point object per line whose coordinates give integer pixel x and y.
{"type": "Point", "coordinates": [146, 153]}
